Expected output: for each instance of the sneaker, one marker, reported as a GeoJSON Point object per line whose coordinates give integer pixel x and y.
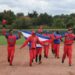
{"type": "Point", "coordinates": [58, 57]}
{"type": "Point", "coordinates": [62, 61]}
{"type": "Point", "coordinates": [30, 65]}
{"type": "Point", "coordinates": [10, 64]}
{"type": "Point", "coordinates": [40, 62]}
{"type": "Point", "coordinates": [8, 60]}
{"type": "Point", "coordinates": [70, 65]}
{"type": "Point", "coordinates": [46, 57]}
{"type": "Point", "coordinates": [53, 51]}
{"type": "Point", "coordinates": [32, 60]}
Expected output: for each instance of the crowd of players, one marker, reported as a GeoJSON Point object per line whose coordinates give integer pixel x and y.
{"type": "Point", "coordinates": [36, 46]}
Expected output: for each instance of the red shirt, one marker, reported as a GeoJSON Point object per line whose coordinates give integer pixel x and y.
{"type": "Point", "coordinates": [3, 31]}
{"type": "Point", "coordinates": [40, 30]}
{"type": "Point", "coordinates": [46, 35]}
{"type": "Point", "coordinates": [47, 42]}
{"type": "Point", "coordinates": [52, 38]}
{"type": "Point", "coordinates": [33, 40]}
{"type": "Point", "coordinates": [11, 40]}
{"type": "Point", "coordinates": [69, 38]}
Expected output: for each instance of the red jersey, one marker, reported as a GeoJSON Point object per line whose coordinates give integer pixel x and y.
{"type": "Point", "coordinates": [52, 37]}
{"type": "Point", "coordinates": [11, 40]}
{"type": "Point", "coordinates": [33, 40]}
{"type": "Point", "coordinates": [3, 31]}
{"type": "Point", "coordinates": [40, 30]}
{"type": "Point", "coordinates": [48, 35]}
{"type": "Point", "coordinates": [69, 38]}
{"type": "Point", "coordinates": [47, 42]}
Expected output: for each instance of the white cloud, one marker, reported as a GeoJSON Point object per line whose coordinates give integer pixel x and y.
{"type": "Point", "coordinates": [50, 6]}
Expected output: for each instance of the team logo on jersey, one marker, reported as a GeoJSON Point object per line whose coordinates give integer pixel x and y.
{"type": "Point", "coordinates": [11, 40]}
{"type": "Point", "coordinates": [69, 38]}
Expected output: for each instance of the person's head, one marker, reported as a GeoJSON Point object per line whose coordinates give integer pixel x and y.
{"type": "Point", "coordinates": [57, 32]}
{"type": "Point", "coordinates": [33, 33]}
{"type": "Point", "coordinates": [41, 26]}
{"type": "Point", "coordinates": [70, 30]}
{"type": "Point", "coordinates": [47, 32]}
{"type": "Point", "coordinates": [10, 31]}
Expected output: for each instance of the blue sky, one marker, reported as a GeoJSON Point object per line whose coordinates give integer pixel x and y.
{"type": "Point", "coordinates": [52, 7]}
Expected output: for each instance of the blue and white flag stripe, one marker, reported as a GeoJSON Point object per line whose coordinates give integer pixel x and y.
{"type": "Point", "coordinates": [27, 34]}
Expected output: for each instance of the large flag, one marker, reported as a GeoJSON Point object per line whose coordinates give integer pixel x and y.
{"type": "Point", "coordinates": [27, 34]}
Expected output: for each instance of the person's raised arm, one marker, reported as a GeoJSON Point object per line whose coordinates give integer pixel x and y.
{"type": "Point", "coordinates": [25, 43]}
{"type": "Point", "coordinates": [19, 36]}
{"type": "Point", "coordinates": [40, 42]}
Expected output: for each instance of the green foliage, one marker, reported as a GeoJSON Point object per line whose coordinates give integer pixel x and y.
{"type": "Point", "coordinates": [19, 14]}
{"type": "Point", "coordinates": [33, 15]}
{"type": "Point", "coordinates": [34, 20]}
{"type": "Point", "coordinates": [23, 23]}
{"type": "Point", "coordinates": [9, 16]}
{"type": "Point", "coordinates": [3, 41]}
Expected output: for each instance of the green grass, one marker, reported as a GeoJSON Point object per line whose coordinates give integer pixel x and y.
{"type": "Point", "coordinates": [3, 41]}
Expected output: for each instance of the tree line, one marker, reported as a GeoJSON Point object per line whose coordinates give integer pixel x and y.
{"type": "Point", "coordinates": [34, 20]}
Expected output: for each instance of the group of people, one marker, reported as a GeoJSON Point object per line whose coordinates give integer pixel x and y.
{"type": "Point", "coordinates": [36, 46]}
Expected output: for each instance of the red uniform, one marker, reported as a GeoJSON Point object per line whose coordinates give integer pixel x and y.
{"type": "Point", "coordinates": [56, 50]}
{"type": "Point", "coordinates": [57, 45]}
{"type": "Point", "coordinates": [3, 31]}
{"type": "Point", "coordinates": [69, 38]}
{"type": "Point", "coordinates": [46, 47]}
{"type": "Point", "coordinates": [40, 30]}
{"type": "Point", "coordinates": [33, 40]}
{"type": "Point", "coordinates": [39, 49]}
{"type": "Point", "coordinates": [52, 42]}
{"type": "Point", "coordinates": [38, 52]}
{"type": "Point", "coordinates": [11, 40]}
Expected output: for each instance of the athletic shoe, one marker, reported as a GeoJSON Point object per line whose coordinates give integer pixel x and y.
{"type": "Point", "coordinates": [10, 64]}
{"type": "Point", "coordinates": [40, 62]}
{"type": "Point", "coordinates": [30, 65]}
{"type": "Point", "coordinates": [62, 61]}
{"type": "Point", "coordinates": [70, 65]}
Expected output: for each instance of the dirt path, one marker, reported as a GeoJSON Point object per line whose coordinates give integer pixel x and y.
{"type": "Point", "coordinates": [50, 66]}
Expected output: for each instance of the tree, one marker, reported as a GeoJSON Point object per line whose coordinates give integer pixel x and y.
{"type": "Point", "coordinates": [33, 15]}
{"type": "Point", "coordinates": [9, 16]}
{"type": "Point", "coordinates": [45, 19]}
{"type": "Point", "coordinates": [20, 14]}
{"type": "Point", "coordinates": [23, 23]}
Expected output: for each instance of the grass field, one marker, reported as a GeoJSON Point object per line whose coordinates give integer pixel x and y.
{"type": "Point", "coordinates": [3, 41]}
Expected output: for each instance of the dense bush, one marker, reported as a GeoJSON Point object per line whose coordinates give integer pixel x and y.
{"type": "Point", "coordinates": [33, 20]}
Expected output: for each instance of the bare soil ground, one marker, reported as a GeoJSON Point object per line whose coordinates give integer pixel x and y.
{"type": "Point", "coordinates": [50, 66]}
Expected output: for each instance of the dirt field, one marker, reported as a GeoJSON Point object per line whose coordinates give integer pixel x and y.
{"type": "Point", "coordinates": [50, 66]}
